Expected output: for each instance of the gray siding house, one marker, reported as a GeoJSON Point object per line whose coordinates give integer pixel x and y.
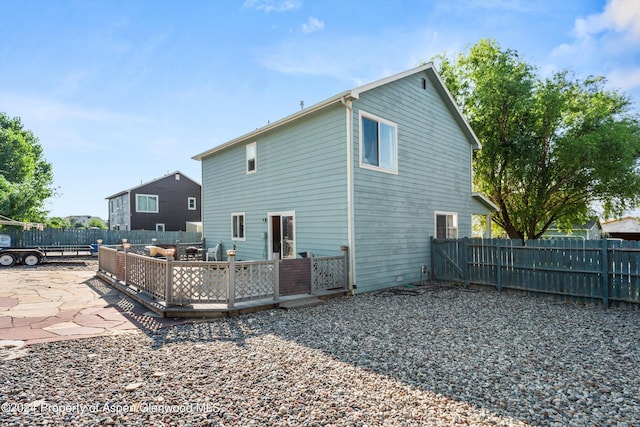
{"type": "Point", "coordinates": [590, 230]}
{"type": "Point", "coordinates": [378, 169]}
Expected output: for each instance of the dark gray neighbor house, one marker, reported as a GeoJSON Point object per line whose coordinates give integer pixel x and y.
{"type": "Point", "coordinates": [164, 204]}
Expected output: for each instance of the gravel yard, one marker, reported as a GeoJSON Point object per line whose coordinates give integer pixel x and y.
{"type": "Point", "coordinates": [432, 355]}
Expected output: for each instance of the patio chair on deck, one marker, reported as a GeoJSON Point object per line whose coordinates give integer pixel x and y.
{"type": "Point", "coordinates": [215, 253]}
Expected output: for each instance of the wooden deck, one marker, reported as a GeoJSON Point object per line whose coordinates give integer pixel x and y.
{"type": "Point", "coordinates": [218, 310]}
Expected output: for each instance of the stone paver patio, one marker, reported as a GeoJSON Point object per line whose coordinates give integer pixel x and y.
{"type": "Point", "coordinates": [39, 305]}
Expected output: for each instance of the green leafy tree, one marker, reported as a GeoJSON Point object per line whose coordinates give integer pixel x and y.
{"type": "Point", "coordinates": [551, 147]}
{"type": "Point", "coordinates": [25, 176]}
{"type": "Point", "coordinates": [96, 223]}
{"type": "Point", "coordinates": [57, 222]}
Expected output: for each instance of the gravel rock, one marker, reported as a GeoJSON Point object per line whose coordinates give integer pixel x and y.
{"type": "Point", "coordinates": [65, 263]}
{"type": "Point", "coordinates": [432, 355]}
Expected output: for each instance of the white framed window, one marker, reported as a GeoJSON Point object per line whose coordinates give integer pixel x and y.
{"type": "Point", "coordinates": [378, 143]}
{"type": "Point", "coordinates": [446, 225]}
{"type": "Point", "coordinates": [237, 226]}
{"type": "Point", "coordinates": [146, 203]}
{"type": "Point", "coordinates": [191, 203]}
{"type": "Point", "coordinates": [159, 227]}
{"type": "Point", "coordinates": [251, 158]}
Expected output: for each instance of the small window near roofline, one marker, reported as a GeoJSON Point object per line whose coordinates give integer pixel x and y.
{"type": "Point", "coordinates": [251, 158]}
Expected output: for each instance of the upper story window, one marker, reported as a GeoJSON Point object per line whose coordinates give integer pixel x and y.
{"type": "Point", "coordinates": [378, 143]}
{"type": "Point", "coordinates": [237, 226]}
{"type": "Point", "coordinates": [446, 225]}
{"type": "Point", "coordinates": [146, 203]}
{"type": "Point", "coordinates": [191, 203]}
{"type": "Point", "coordinates": [251, 157]}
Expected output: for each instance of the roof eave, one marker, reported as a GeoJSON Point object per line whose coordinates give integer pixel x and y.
{"type": "Point", "coordinates": [485, 201]}
{"type": "Point", "coordinates": [309, 110]}
{"type": "Point", "coordinates": [440, 86]}
{"type": "Point", "coordinates": [453, 105]}
{"type": "Point", "coordinates": [355, 94]}
{"type": "Point", "coordinates": [129, 190]}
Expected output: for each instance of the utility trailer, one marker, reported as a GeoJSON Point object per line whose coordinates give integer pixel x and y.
{"type": "Point", "coordinates": [10, 256]}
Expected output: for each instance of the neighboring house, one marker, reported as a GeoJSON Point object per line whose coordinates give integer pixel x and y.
{"type": "Point", "coordinates": [380, 169]}
{"type": "Point", "coordinates": [627, 228]}
{"type": "Point", "coordinates": [591, 230]}
{"type": "Point", "coordinates": [82, 220]}
{"type": "Point", "coordinates": [164, 204]}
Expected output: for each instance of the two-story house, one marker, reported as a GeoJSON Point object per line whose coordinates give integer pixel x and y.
{"type": "Point", "coordinates": [164, 204]}
{"type": "Point", "coordinates": [380, 168]}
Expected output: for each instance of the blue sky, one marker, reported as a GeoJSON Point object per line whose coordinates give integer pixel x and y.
{"type": "Point", "coordinates": [123, 92]}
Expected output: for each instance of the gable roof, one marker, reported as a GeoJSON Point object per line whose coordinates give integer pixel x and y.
{"type": "Point", "coordinates": [354, 94]}
{"type": "Point", "coordinates": [593, 222]}
{"type": "Point", "coordinates": [484, 200]}
{"type": "Point", "coordinates": [120, 193]}
{"type": "Point", "coordinates": [627, 224]}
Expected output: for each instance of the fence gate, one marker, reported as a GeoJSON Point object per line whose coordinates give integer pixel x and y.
{"type": "Point", "coordinates": [593, 270]}
{"type": "Point", "coordinates": [448, 261]}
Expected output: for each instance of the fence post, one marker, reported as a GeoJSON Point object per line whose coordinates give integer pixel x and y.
{"type": "Point", "coordinates": [463, 261]}
{"type": "Point", "coordinates": [276, 279]}
{"type": "Point", "coordinates": [498, 266]}
{"type": "Point", "coordinates": [168, 281]}
{"type": "Point", "coordinates": [314, 284]}
{"type": "Point", "coordinates": [345, 261]}
{"type": "Point", "coordinates": [125, 247]}
{"type": "Point", "coordinates": [605, 272]}
{"type": "Point", "coordinates": [432, 251]}
{"type": "Point", "coordinates": [231, 285]}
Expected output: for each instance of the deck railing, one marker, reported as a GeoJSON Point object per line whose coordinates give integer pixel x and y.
{"type": "Point", "coordinates": [188, 282]}
{"type": "Point", "coordinates": [329, 272]}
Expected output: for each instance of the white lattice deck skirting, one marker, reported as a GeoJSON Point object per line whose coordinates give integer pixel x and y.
{"type": "Point", "coordinates": [182, 283]}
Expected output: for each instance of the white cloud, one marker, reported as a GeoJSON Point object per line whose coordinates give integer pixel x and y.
{"type": "Point", "coordinates": [614, 31]}
{"type": "Point", "coordinates": [625, 79]}
{"type": "Point", "coordinates": [273, 5]}
{"type": "Point", "coordinates": [333, 55]}
{"type": "Point", "coordinates": [312, 25]}
{"type": "Point", "coordinates": [63, 127]}
{"type": "Point", "coordinates": [607, 43]}
{"type": "Point", "coordinates": [524, 6]}
{"type": "Point", "coordinates": [620, 16]}
{"type": "Point", "coordinates": [50, 110]}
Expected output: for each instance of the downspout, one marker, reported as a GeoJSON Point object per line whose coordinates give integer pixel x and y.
{"type": "Point", "coordinates": [350, 219]}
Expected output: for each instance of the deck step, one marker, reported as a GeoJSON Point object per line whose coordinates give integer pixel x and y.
{"type": "Point", "coordinates": [302, 303]}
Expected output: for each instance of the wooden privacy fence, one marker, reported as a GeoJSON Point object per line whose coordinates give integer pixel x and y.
{"type": "Point", "coordinates": [83, 237]}
{"type": "Point", "coordinates": [177, 282]}
{"type": "Point", "coordinates": [594, 270]}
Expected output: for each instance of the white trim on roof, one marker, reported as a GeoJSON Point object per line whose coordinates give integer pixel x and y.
{"type": "Point", "coordinates": [312, 109]}
{"type": "Point", "coordinates": [120, 193]}
{"type": "Point", "coordinates": [485, 201]}
{"type": "Point", "coordinates": [353, 94]}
